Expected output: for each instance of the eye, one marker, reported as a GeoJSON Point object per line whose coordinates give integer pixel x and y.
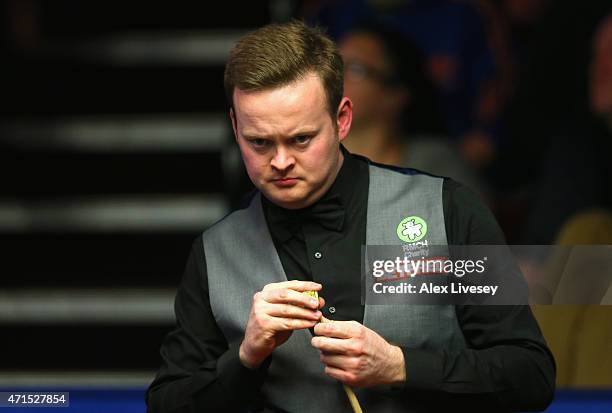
{"type": "Point", "coordinates": [302, 139]}
{"type": "Point", "coordinates": [356, 69]}
{"type": "Point", "coordinates": [258, 143]}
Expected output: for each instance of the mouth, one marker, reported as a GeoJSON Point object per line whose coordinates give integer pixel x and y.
{"type": "Point", "coordinates": [285, 182]}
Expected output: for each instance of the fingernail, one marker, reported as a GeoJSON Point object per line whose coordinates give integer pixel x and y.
{"type": "Point", "coordinates": [314, 302]}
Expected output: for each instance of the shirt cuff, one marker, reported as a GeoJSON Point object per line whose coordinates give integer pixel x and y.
{"type": "Point", "coordinates": [234, 375]}
{"type": "Point", "coordinates": [423, 368]}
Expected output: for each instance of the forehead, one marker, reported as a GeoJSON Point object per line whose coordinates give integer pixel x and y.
{"type": "Point", "coordinates": [271, 111]}
{"type": "Point", "coordinates": [364, 47]}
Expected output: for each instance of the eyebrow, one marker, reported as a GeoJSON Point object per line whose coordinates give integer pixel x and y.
{"type": "Point", "coordinates": [307, 132]}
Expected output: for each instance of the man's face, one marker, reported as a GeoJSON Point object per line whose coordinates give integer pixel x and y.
{"type": "Point", "coordinates": [365, 71]}
{"type": "Point", "coordinates": [288, 140]}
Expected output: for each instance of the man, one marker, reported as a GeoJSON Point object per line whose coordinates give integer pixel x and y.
{"type": "Point", "coordinates": [395, 116]}
{"type": "Point", "coordinates": [243, 340]}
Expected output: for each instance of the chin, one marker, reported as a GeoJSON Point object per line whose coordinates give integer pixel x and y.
{"type": "Point", "coordinates": [288, 201]}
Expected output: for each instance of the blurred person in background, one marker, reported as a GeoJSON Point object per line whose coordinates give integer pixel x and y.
{"type": "Point", "coordinates": [396, 118]}
{"type": "Point", "coordinates": [458, 43]}
{"type": "Point", "coordinates": [601, 73]}
{"type": "Point", "coordinates": [577, 207]}
{"type": "Point", "coordinates": [575, 174]}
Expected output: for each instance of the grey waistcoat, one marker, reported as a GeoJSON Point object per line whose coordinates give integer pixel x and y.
{"type": "Point", "coordinates": [241, 259]}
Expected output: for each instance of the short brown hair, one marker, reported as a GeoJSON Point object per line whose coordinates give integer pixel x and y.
{"type": "Point", "coordinates": [279, 54]}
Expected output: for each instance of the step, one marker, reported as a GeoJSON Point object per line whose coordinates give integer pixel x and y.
{"type": "Point", "coordinates": [70, 18]}
{"type": "Point", "coordinates": [145, 213]}
{"type": "Point", "coordinates": [164, 133]}
{"type": "Point", "coordinates": [63, 259]}
{"type": "Point", "coordinates": [74, 347]}
{"type": "Point", "coordinates": [87, 307]}
{"type": "Point", "coordinates": [80, 88]}
{"type": "Point", "coordinates": [58, 173]}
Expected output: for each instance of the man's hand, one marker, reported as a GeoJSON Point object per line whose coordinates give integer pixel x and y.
{"type": "Point", "coordinates": [358, 356]}
{"type": "Point", "coordinates": [277, 310]}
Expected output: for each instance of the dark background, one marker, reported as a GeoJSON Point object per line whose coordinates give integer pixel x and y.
{"type": "Point", "coordinates": [115, 153]}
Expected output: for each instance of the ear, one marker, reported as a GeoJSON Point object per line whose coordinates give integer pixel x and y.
{"type": "Point", "coordinates": [234, 123]}
{"type": "Point", "coordinates": [344, 118]}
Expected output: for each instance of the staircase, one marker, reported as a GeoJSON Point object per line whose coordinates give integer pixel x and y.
{"type": "Point", "coordinates": [113, 158]}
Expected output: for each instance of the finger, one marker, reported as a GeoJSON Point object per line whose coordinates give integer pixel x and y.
{"type": "Point", "coordinates": [340, 361]}
{"type": "Point", "coordinates": [340, 375]}
{"type": "Point", "coordinates": [295, 285]}
{"type": "Point", "coordinates": [288, 296]}
{"type": "Point", "coordinates": [321, 302]}
{"type": "Point", "coordinates": [291, 311]}
{"type": "Point", "coordinates": [339, 329]}
{"type": "Point", "coordinates": [288, 324]}
{"type": "Point", "coordinates": [329, 345]}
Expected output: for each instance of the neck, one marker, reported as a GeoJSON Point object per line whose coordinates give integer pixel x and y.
{"type": "Point", "coordinates": [379, 142]}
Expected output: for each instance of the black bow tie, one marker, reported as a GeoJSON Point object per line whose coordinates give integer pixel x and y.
{"type": "Point", "coordinates": [327, 212]}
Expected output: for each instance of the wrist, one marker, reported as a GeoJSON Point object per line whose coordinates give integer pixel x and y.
{"type": "Point", "coordinates": [246, 359]}
{"type": "Point", "coordinates": [398, 366]}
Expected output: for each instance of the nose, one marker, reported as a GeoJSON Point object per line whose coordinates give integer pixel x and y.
{"type": "Point", "coordinates": [283, 159]}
